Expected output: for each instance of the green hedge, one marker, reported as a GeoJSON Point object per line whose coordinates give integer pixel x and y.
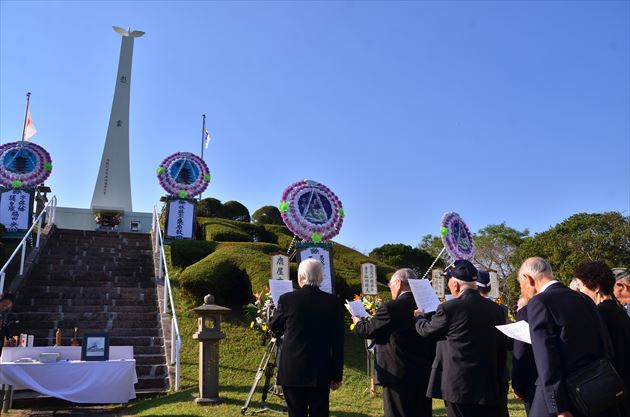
{"type": "Point", "coordinates": [225, 230]}
{"type": "Point", "coordinates": [187, 252]}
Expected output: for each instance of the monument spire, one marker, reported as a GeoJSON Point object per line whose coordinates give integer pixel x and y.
{"type": "Point", "coordinates": [112, 191]}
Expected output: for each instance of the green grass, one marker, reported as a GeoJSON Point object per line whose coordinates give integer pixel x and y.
{"type": "Point", "coordinates": [240, 354]}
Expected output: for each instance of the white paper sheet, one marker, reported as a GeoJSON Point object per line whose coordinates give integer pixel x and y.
{"type": "Point", "coordinates": [277, 287]}
{"type": "Point", "coordinates": [424, 294]}
{"type": "Point", "coordinates": [357, 309]}
{"type": "Point", "coordinates": [518, 331]}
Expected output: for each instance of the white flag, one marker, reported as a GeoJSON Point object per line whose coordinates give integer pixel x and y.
{"type": "Point", "coordinates": [29, 128]}
{"type": "Point", "coordinates": [206, 137]}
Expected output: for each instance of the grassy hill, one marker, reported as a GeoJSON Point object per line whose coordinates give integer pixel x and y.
{"type": "Point", "coordinates": [233, 261]}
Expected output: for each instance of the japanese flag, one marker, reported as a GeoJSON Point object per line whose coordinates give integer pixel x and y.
{"type": "Point", "coordinates": [29, 127]}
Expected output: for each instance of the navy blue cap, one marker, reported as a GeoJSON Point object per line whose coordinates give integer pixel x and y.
{"type": "Point", "coordinates": [464, 270]}
{"type": "Point", "coordinates": [483, 279]}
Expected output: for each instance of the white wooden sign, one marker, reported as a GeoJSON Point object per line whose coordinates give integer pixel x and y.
{"type": "Point", "coordinates": [14, 210]}
{"type": "Point", "coordinates": [494, 283]}
{"type": "Point", "coordinates": [437, 281]}
{"type": "Point", "coordinates": [181, 217]}
{"type": "Point", "coordinates": [322, 255]}
{"type": "Point", "coordinates": [368, 279]}
{"type": "Point", "coordinates": [280, 266]}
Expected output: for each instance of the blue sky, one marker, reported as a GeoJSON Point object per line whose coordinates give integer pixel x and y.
{"type": "Point", "coordinates": [515, 112]}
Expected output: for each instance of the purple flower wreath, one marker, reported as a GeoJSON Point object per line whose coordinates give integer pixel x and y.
{"type": "Point", "coordinates": [183, 174]}
{"type": "Point", "coordinates": [311, 211]}
{"type": "Point", "coordinates": [457, 237]}
{"type": "Point", "coordinates": [23, 165]}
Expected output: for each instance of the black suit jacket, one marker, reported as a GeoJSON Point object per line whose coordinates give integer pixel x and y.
{"type": "Point", "coordinates": [567, 333]}
{"type": "Point", "coordinates": [311, 321]}
{"type": "Point", "coordinates": [470, 361]}
{"type": "Point", "coordinates": [523, 366]}
{"type": "Point", "coordinates": [402, 355]}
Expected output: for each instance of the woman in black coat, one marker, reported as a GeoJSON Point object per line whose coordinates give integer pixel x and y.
{"type": "Point", "coordinates": [597, 281]}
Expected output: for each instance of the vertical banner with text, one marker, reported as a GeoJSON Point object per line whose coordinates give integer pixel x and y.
{"type": "Point", "coordinates": [368, 279]}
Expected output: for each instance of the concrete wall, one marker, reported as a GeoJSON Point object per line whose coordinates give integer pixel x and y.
{"type": "Point", "coordinates": [83, 219]}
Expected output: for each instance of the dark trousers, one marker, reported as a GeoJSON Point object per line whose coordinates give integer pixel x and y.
{"type": "Point", "coordinates": [406, 401]}
{"type": "Point", "coordinates": [471, 410]}
{"type": "Point", "coordinates": [307, 401]}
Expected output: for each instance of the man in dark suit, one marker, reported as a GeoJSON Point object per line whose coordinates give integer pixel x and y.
{"type": "Point", "coordinates": [471, 352]}
{"type": "Point", "coordinates": [567, 333]}
{"type": "Point", "coordinates": [311, 360]}
{"type": "Point", "coordinates": [403, 358]}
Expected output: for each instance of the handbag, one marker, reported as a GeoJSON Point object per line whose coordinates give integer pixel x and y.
{"type": "Point", "coordinates": [595, 387]}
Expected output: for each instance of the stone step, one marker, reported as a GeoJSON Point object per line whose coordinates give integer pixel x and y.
{"type": "Point", "coordinates": [145, 359]}
{"type": "Point", "coordinates": [47, 301]}
{"type": "Point", "coordinates": [73, 293]}
{"type": "Point", "coordinates": [151, 370]}
{"type": "Point", "coordinates": [97, 276]}
{"type": "Point", "coordinates": [100, 308]}
{"type": "Point", "coordinates": [156, 383]}
{"type": "Point", "coordinates": [78, 282]}
{"type": "Point", "coordinates": [89, 316]}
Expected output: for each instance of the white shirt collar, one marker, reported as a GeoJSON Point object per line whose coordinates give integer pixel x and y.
{"type": "Point", "coordinates": [547, 285]}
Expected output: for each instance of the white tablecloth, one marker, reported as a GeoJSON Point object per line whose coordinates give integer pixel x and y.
{"type": "Point", "coordinates": [103, 382]}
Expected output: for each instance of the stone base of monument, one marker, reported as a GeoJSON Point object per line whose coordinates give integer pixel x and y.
{"type": "Point", "coordinates": [208, 401]}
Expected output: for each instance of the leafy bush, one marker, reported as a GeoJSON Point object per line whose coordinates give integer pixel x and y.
{"type": "Point", "coordinates": [187, 252]}
{"type": "Point", "coordinates": [210, 207]}
{"type": "Point", "coordinates": [223, 229]}
{"type": "Point", "coordinates": [225, 233]}
{"type": "Point", "coordinates": [267, 215]}
{"type": "Point", "coordinates": [236, 211]}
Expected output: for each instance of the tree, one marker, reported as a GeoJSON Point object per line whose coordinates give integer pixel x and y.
{"type": "Point", "coordinates": [234, 210]}
{"type": "Point", "coordinates": [495, 246]}
{"type": "Point", "coordinates": [267, 215]}
{"type": "Point", "coordinates": [400, 255]}
{"type": "Point", "coordinates": [431, 244]}
{"type": "Point", "coordinates": [580, 238]}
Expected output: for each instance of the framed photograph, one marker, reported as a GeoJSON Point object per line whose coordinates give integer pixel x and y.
{"type": "Point", "coordinates": [95, 347]}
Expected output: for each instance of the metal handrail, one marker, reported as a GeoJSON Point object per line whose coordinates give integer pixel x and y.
{"type": "Point", "coordinates": [50, 207]}
{"type": "Point", "coordinates": [176, 340]}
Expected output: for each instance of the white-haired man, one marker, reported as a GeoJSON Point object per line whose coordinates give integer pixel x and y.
{"type": "Point", "coordinates": [622, 287]}
{"type": "Point", "coordinates": [403, 358]}
{"type": "Point", "coordinates": [567, 333]}
{"type": "Point", "coordinates": [471, 354]}
{"type": "Point", "coordinates": [311, 361]}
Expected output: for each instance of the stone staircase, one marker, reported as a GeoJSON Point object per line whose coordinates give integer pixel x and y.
{"type": "Point", "coordinates": [98, 282]}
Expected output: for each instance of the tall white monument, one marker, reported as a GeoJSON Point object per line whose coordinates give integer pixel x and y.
{"type": "Point", "coordinates": [112, 192]}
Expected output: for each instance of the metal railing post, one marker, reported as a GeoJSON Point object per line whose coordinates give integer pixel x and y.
{"type": "Point", "coordinates": [2, 274]}
{"type": "Point", "coordinates": [173, 342]}
{"type": "Point", "coordinates": [39, 231]}
{"type": "Point", "coordinates": [23, 258]}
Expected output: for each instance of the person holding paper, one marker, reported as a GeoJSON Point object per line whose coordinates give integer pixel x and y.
{"type": "Point", "coordinates": [311, 361]}
{"type": "Point", "coordinates": [471, 353]}
{"type": "Point", "coordinates": [524, 372]}
{"type": "Point", "coordinates": [403, 358]}
{"type": "Point", "coordinates": [567, 334]}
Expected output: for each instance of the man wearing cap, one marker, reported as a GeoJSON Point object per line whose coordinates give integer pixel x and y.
{"type": "Point", "coordinates": [484, 286]}
{"type": "Point", "coordinates": [622, 287]}
{"type": "Point", "coordinates": [471, 352]}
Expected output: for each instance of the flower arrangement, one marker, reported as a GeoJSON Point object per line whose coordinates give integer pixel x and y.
{"type": "Point", "coordinates": [311, 211]}
{"type": "Point", "coordinates": [371, 303]}
{"type": "Point", "coordinates": [107, 219]}
{"type": "Point", "coordinates": [34, 168]}
{"type": "Point", "coordinates": [171, 178]}
{"type": "Point", "coordinates": [457, 237]}
{"type": "Point", "coordinates": [258, 312]}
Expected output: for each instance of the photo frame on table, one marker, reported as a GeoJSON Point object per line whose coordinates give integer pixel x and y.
{"type": "Point", "coordinates": [95, 347]}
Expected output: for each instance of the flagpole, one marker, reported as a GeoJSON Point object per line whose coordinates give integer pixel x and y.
{"type": "Point", "coordinates": [28, 99]}
{"type": "Point", "coordinates": [203, 131]}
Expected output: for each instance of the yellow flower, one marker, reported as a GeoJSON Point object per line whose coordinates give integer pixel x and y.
{"type": "Point", "coordinates": [251, 326]}
{"type": "Point", "coordinates": [352, 326]}
{"type": "Point", "coordinates": [264, 328]}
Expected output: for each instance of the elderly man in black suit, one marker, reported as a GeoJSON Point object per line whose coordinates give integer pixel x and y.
{"type": "Point", "coordinates": [403, 358]}
{"type": "Point", "coordinates": [311, 361]}
{"type": "Point", "coordinates": [567, 333]}
{"type": "Point", "coordinates": [471, 352]}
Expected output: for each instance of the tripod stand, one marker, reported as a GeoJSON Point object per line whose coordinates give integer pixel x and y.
{"type": "Point", "coordinates": [267, 368]}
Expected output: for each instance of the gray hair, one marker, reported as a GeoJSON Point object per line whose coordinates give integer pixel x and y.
{"type": "Point", "coordinates": [404, 275]}
{"type": "Point", "coordinates": [311, 272]}
{"type": "Point", "coordinates": [465, 285]}
{"type": "Point", "coordinates": [536, 267]}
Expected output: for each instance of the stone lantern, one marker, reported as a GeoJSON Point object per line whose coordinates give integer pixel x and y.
{"type": "Point", "coordinates": [209, 335]}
